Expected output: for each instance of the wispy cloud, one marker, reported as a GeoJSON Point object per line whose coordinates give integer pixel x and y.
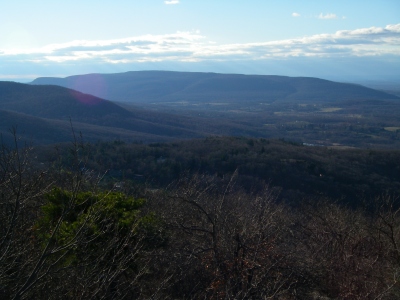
{"type": "Point", "coordinates": [327, 16]}
{"type": "Point", "coordinates": [171, 2]}
{"type": "Point", "coordinates": [295, 14]}
{"type": "Point", "coordinates": [193, 47]}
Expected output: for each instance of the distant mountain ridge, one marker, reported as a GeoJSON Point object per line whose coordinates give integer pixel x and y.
{"type": "Point", "coordinates": [164, 86]}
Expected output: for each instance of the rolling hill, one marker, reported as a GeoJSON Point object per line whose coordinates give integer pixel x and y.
{"type": "Point", "coordinates": [43, 113]}
{"type": "Point", "coordinates": [55, 102]}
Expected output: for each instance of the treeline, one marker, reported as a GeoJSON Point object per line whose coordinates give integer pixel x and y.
{"type": "Point", "coordinates": [349, 176]}
{"type": "Point", "coordinates": [65, 235]}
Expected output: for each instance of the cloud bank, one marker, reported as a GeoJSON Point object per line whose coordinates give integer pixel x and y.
{"type": "Point", "coordinates": [192, 47]}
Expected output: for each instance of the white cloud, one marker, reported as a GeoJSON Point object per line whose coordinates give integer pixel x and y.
{"type": "Point", "coordinates": [191, 46]}
{"type": "Point", "coordinates": [327, 16]}
{"type": "Point", "coordinates": [295, 14]}
{"type": "Point", "coordinates": [172, 2]}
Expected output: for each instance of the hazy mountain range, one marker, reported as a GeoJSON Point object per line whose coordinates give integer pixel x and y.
{"type": "Point", "coordinates": [236, 105]}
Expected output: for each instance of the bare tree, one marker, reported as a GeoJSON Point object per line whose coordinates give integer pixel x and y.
{"type": "Point", "coordinates": [344, 254]}
{"type": "Point", "coordinates": [227, 244]}
{"type": "Point", "coordinates": [21, 188]}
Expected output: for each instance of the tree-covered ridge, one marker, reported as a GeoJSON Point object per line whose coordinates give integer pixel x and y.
{"type": "Point", "coordinates": [349, 175]}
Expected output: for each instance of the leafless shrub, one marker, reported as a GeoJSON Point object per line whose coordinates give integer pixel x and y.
{"type": "Point", "coordinates": [345, 252]}
{"type": "Point", "coordinates": [227, 244]}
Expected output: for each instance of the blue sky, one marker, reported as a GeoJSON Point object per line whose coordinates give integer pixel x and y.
{"type": "Point", "coordinates": [334, 39]}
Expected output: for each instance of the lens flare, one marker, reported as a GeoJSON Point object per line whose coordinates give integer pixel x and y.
{"type": "Point", "coordinates": [91, 85]}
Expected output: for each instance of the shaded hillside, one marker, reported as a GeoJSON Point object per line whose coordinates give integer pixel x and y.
{"type": "Point", "coordinates": [162, 86]}
{"type": "Point", "coordinates": [38, 130]}
{"type": "Point", "coordinates": [54, 102]}
{"type": "Point", "coordinates": [43, 113]}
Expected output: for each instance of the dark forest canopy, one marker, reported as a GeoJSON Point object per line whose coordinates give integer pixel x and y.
{"type": "Point", "coordinates": [350, 176]}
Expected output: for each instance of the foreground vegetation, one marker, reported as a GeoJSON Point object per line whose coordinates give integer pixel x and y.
{"type": "Point", "coordinates": [68, 232]}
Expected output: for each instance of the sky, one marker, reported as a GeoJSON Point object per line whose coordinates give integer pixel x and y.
{"type": "Point", "coordinates": [353, 40]}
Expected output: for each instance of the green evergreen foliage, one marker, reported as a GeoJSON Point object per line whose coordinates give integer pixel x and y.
{"type": "Point", "coordinates": [89, 210]}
